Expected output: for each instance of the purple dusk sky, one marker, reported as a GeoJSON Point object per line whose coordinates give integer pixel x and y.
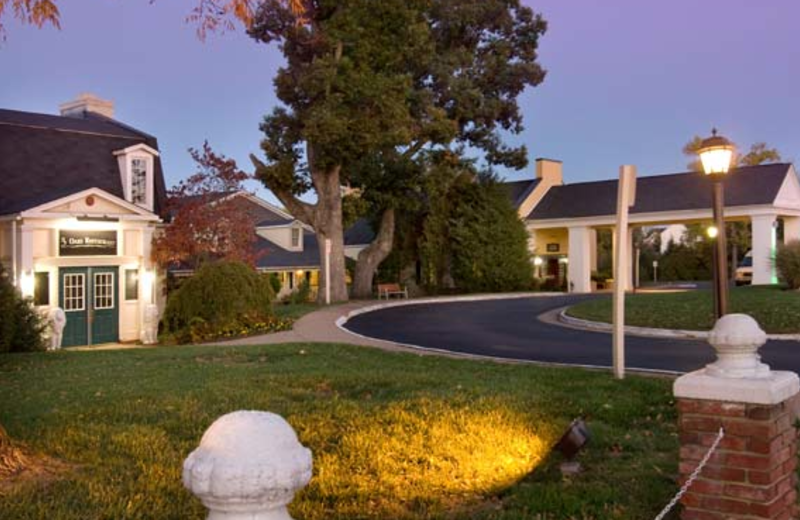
{"type": "Point", "coordinates": [629, 81]}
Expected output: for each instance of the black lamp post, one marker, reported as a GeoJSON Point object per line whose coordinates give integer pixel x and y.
{"type": "Point", "coordinates": [716, 154]}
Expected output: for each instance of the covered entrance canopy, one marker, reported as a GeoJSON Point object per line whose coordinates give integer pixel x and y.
{"type": "Point", "coordinates": [567, 217]}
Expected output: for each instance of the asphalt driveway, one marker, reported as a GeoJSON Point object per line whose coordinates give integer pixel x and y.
{"type": "Point", "coordinates": [511, 329]}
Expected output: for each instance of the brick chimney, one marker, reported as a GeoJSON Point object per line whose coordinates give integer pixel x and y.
{"type": "Point", "coordinates": [86, 102]}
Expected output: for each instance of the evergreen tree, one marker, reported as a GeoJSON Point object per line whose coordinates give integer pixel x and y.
{"type": "Point", "coordinates": [21, 327]}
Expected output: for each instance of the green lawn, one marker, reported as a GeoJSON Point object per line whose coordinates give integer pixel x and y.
{"type": "Point", "coordinates": [294, 310]}
{"type": "Point", "coordinates": [777, 310]}
{"type": "Point", "coordinates": [393, 435]}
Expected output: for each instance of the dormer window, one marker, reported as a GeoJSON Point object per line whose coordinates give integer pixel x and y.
{"type": "Point", "coordinates": [139, 167]}
{"type": "Point", "coordinates": [136, 165]}
{"type": "Point", "coordinates": [295, 237]}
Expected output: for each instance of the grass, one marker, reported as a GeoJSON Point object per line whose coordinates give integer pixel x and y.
{"type": "Point", "coordinates": [394, 436]}
{"type": "Point", "coordinates": [777, 310]}
{"type": "Point", "coordinates": [294, 311]}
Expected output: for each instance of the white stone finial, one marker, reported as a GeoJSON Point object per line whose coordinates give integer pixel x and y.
{"type": "Point", "coordinates": [737, 338]}
{"type": "Point", "coordinates": [248, 466]}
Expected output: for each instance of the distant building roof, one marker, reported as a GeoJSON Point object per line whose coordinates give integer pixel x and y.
{"type": "Point", "coordinates": [45, 157]}
{"type": "Point", "coordinates": [746, 186]}
{"type": "Point", "coordinates": [272, 256]}
{"type": "Point", "coordinates": [360, 233]}
{"type": "Point", "coordinates": [518, 191]}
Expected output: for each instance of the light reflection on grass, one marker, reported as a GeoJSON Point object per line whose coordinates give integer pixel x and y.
{"type": "Point", "coordinates": [423, 453]}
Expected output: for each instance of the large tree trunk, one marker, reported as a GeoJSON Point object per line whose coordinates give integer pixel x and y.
{"type": "Point", "coordinates": [371, 256]}
{"type": "Point", "coordinates": [327, 222]}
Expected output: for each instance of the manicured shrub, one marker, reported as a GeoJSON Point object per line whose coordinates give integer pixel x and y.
{"type": "Point", "coordinates": [21, 327]}
{"type": "Point", "coordinates": [219, 296]}
{"type": "Point", "coordinates": [302, 294]}
{"type": "Point", "coordinates": [787, 262]}
{"type": "Point", "coordinates": [275, 283]}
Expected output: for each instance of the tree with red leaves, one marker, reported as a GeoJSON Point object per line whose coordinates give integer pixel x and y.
{"type": "Point", "coordinates": [209, 15]}
{"type": "Point", "coordinates": [208, 221]}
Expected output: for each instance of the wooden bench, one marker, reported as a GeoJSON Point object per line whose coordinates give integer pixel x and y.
{"type": "Point", "coordinates": [388, 290]}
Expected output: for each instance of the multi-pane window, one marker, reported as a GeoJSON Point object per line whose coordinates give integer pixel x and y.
{"type": "Point", "coordinates": [139, 180]}
{"type": "Point", "coordinates": [295, 237]}
{"type": "Point", "coordinates": [74, 292]}
{"type": "Point", "coordinates": [103, 291]}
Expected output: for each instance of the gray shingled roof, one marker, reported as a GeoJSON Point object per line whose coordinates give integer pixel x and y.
{"type": "Point", "coordinates": [45, 157]}
{"type": "Point", "coordinates": [746, 186]}
{"type": "Point", "coordinates": [360, 233]}
{"type": "Point", "coordinates": [518, 191]}
{"type": "Point", "coordinates": [272, 256]}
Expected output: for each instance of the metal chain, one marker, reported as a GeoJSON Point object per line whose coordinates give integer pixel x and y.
{"type": "Point", "coordinates": [693, 476]}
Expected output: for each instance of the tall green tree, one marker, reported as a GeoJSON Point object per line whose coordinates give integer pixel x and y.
{"type": "Point", "coordinates": [384, 82]}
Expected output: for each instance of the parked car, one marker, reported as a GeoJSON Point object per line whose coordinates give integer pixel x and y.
{"type": "Point", "coordinates": [744, 273]}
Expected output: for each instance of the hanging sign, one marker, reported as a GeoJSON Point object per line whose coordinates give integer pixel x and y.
{"type": "Point", "coordinates": [87, 243]}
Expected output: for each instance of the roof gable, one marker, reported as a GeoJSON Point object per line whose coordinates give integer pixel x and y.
{"type": "Point", "coordinates": [93, 202]}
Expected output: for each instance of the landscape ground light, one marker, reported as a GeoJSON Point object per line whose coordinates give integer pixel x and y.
{"type": "Point", "coordinates": [574, 439]}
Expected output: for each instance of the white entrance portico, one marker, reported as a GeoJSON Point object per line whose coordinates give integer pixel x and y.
{"type": "Point", "coordinates": [566, 219]}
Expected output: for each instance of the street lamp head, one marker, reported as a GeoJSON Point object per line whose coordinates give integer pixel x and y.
{"type": "Point", "coordinates": [716, 154]}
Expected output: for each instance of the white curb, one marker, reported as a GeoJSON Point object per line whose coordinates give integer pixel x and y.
{"type": "Point", "coordinates": [599, 326]}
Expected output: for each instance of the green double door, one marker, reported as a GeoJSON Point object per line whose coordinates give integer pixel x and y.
{"type": "Point", "coordinates": [88, 296]}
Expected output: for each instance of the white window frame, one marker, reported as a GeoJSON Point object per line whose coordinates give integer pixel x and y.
{"type": "Point", "coordinates": [298, 233]}
{"type": "Point", "coordinates": [108, 286]}
{"type": "Point", "coordinates": [69, 298]}
{"type": "Point", "coordinates": [148, 161]}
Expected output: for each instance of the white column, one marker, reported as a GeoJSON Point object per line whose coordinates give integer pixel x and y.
{"type": "Point", "coordinates": [791, 229]}
{"type": "Point", "coordinates": [764, 239]}
{"type": "Point", "coordinates": [593, 249]}
{"type": "Point", "coordinates": [580, 273]}
{"type": "Point", "coordinates": [25, 267]}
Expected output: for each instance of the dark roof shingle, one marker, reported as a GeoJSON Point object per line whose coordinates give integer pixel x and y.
{"type": "Point", "coordinates": [44, 158]}
{"type": "Point", "coordinates": [745, 186]}
{"type": "Point", "coordinates": [518, 191]}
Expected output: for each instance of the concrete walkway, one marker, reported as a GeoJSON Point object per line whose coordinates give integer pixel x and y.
{"type": "Point", "coordinates": [318, 327]}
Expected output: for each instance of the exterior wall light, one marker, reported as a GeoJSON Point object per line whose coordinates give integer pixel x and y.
{"type": "Point", "coordinates": [26, 284]}
{"type": "Point", "coordinates": [712, 232]}
{"type": "Point", "coordinates": [537, 261]}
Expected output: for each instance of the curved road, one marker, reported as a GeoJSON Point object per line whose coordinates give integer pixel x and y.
{"type": "Point", "coordinates": [511, 329]}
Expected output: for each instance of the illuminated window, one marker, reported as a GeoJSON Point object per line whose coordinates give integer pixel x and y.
{"type": "Point", "coordinates": [139, 181]}
{"type": "Point", "coordinates": [131, 284]}
{"type": "Point", "coordinates": [41, 288]}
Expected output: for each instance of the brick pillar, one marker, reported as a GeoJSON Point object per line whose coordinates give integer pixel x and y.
{"type": "Point", "coordinates": [752, 473]}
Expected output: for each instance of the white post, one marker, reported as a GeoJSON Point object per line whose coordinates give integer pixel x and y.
{"type": "Point", "coordinates": [626, 195]}
{"type": "Point", "coordinates": [655, 271]}
{"type": "Point", "coordinates": [248, 466]}
{"type": "Point", "coordinates": [328, 271]}
{"type": "Point", "coordinates": [764, 243]}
